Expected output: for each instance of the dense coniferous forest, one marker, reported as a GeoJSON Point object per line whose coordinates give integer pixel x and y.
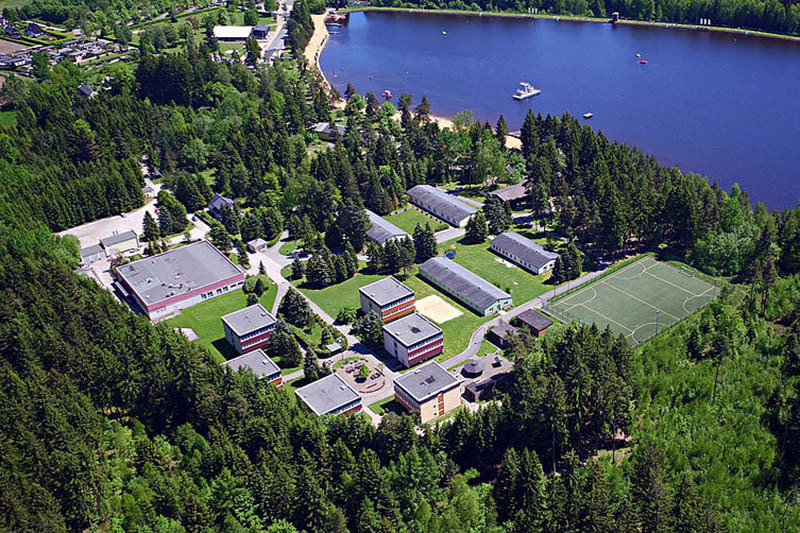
{"type": "Point", "coordinates": [765, 15]}
{"type": "Point", "coordinates": [110, 423]}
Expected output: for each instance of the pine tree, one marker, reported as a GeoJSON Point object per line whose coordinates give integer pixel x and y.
{"type": "Point", "coordinates": [298, 269]}
{"type": "Point", "coordinates": [375, 257]}
{"type": "Point", "coordinates": [151, 231]}
{"type": "Point", "coordinates": [311, 365]}
{"type": "Point", "coordinates": [241, 253]}
{"type": "Point", "coordinates": [498, 214]}
{"type": "Point", "coordinates": [252, 299]}
{"type": "Point", "coordinates": [477, 229]}
{"type": "Point", "coordinates": [283, 344]}
{"type": "Point", "coordinates": [501, 131]}
{"type": "Point", "coordinates": [424, 243]}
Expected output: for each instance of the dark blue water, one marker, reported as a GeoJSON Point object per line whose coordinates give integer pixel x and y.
{"type": "Point", "coordinates": [722, 105]}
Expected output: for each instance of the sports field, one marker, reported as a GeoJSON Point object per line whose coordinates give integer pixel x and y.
{"type": "Point", "coordinates": [639, 300]}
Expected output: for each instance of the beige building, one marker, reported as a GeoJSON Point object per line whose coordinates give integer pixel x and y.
{"type": "Point", "coordinates": [429, 391]}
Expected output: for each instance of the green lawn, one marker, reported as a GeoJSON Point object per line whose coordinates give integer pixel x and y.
{"type": "Point", "coordinates": [408, 219]}
{"type": "Point", "coordinates": [343, 362]}
{"type": "Point", "coordinates": [288, 247]}
{"type": "Point", "coordinates": [519, 283]}
{"type": "Point", "coordinates": [387, 405]}
{"type": "Point", "coordinates": [8, 119]}
{"type": "Point", "coordinates": [204, 319]}
{"type": "Point", "coordinates": [336, 297]}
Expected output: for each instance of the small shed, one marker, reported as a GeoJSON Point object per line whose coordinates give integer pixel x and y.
{"type": "Point", "coordinates": [499, 334]}
{"type": "Point", "coordinates": [256, 245]}
{"type": "Point", "coordinates": [478, 390]}
{"type": "Point", "coordinates": [333, 348]}
{"type": "Point", "coordinates": [535, 322]}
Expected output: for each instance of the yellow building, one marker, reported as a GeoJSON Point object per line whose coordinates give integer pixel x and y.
{"type": "Point", "coordinates": [430, 391]}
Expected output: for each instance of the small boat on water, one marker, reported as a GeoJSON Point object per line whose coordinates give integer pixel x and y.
{"type": "Point", "coordinates": [525, 90]}
{"type": "Point", "coordinates": [638, 54]}
{"type": "Point", "coordinates": [387, 94]}
{"type": "Point", "coordinates": [587, 116]}
{"type": "Point", "coordinates": [444, 32]}
{"type": "Point", "coordinates": [642, 61]}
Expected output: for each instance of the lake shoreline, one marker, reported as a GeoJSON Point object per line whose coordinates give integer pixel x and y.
{"type": "Point", "coordinates": [577, 18]}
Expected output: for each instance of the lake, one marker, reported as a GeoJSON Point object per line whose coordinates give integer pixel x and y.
{"type": "Point", "coordinates": [722, 105]}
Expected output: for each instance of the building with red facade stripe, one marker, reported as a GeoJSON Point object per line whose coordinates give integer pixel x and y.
{"type": "Point", "coordinates": [178, 278]}
{"type": "Point", "coordinates": [260, 364]}
{"type": "Point", "coordinates": [387, 297]}
{"type": "Point", "coordinates": [248, 328]}
{"type": "Point", "coordinates": [413, 339]}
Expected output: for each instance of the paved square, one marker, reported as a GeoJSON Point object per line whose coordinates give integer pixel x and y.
{"type": "Point", "coordinates": [639, 300]}
{"type": "Point", "coordinates": [435, 308]}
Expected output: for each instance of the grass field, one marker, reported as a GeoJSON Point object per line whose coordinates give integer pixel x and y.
{"type": "Point", "coordinates": [204, 319]}
{"type": "Point", "coordinates": [408, 219]}
{"type": "Point", "coordinates": [639, 301]}
{"type": "Point", "coordinates": [345, 294]}
{"type": "Point", "coordinates": [387, 405]}
{"type": "Point", "coordinates": [519, 283]}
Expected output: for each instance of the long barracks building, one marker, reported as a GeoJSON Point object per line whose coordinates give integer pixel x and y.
{"type": "Point", "coordinates": [179, 278]}
{"type": "Point", "coordinates": [387, 297]}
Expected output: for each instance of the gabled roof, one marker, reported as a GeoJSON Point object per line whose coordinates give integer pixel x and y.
{"type": "Point", "coordinates": [534, 320]}
{"type": "Point", "coordinates": [426, 381]}
{"type": "Point", "coordinates": [218, 202]}
{"type": "Point", "coordinates": [502, 329]}
{"type": "Point", "coordinates": [442, 202]}
{"type": "Point", "coordinates": [85, 89]}
{"type": "Point", "coordinates": [512, 192]}
{"type": "Point", "coordinates": [385, 290]}
{"type": "Point", "coordinates": [327, 394]}
{"type": "Point", "coordinates": [257, 361]}
{"type": "Point", "coordinates": [248, 319]}
{"type": "Point", "coordinates": [529, 251]}
{"type": "Point", "coordinates": [118, 238]}
{"type": "Point", "coordinates": [411, 329]}
{"type": "Point", "coordinates": [462, 281]}
{"type": "Point", "coordinates": [382, 230]}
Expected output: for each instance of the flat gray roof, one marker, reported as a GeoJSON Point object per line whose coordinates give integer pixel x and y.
{"type": "Point", "coordinates": [327, 394]}
{"type": "Point", "coordinates": [386, 290]}
{"type": "Point", "coordinates": [462, 281]}
{"type": "Point", "coordinates": [248, 319]}
{"type": "Point", "coordinates": [255, 243]}
{"type": "Point", "coordinates": [91, 250]}
{"type": "Point", "coordinates": [411, 329]}
{"type": "Point", "coordinates": [441, 201]}
{"type": "Point", "coordinates": [426, 381]}
{"type": "Point", "coordinates": [118, 238]}
{"type": "Point", "coordinates": [189, 267]}
{"type": "Point", "coordinates": [531, 252]}
{"type": "Point", "coordinates": [382, 230]}
{"type": "Point", "coordinates": [257, 361]}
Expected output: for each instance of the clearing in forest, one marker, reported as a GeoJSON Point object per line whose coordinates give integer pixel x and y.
{"type": "Point", "coordinates": [639, 300]}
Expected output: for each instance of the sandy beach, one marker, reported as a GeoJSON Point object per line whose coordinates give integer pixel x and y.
{"type": "Point", "coordinates": [314, 50]}
{"type": "Point", "coordinates": [317, 43]}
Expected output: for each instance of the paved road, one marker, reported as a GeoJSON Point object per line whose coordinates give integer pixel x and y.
{"type": "Point", "coordinates": [449, 234]}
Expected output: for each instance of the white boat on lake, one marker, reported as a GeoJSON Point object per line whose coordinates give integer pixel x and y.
{"type": "Point", "coordinates": [525, 90]}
